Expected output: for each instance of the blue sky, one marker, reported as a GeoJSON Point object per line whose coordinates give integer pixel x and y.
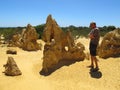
{"type": "Point", "coordinates": [15, 13]}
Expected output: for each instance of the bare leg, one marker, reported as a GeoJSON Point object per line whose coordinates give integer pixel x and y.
{"type": "Point", "coordinates": [92, 61]}
{"type": "Point", "coordinates": [95, 60]}
{"type": "Point", "coordinates": [96, 63]}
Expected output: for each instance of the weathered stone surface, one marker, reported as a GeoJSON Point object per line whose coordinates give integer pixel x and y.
{"type": "Point", "coordinates": [110, 45]}
{"type": "Point", "coordinates": [59, 46]}
{"type": "Point", "coordinates": [16, 41]}
{"type": "Point", "coordinates": [11, 68]}
{"type": "Point", "coordinates": [11, 51]}
{"type": "Point", "coordinates": [27, 40]}
{"type": "Point", "coordinates": [30, 39]}
{"type": "Point", "coordinates": [52, 55]}
{"type": "Point", "coordinates": [52, 31]}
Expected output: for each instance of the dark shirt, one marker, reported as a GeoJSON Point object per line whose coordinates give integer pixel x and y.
{"type": "Point", "coordinates": [95, 32]}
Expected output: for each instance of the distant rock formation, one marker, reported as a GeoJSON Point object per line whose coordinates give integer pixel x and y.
{"type": "Point", "coordinates": [16, 41]}
{"type": "Point", "coordinates": [59, 46]}
{"type": "Point", "coordinates": [11, 68]}
{"type": "Point", "coordinates": [27, 40]}
{"type": "Point", "coordinates": [110, 45]}
{"type": "Point", "coordinates": [2, 39]}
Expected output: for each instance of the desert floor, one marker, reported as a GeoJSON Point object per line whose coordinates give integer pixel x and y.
{"type": "Point", "coordinates": [72, 77]}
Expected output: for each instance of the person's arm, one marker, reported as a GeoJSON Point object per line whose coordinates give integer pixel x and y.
{"type": "Point", "coordinates": [91, 36]}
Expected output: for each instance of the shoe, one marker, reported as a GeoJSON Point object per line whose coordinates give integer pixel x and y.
{"type": "Point", "coordinates": [95, 69]}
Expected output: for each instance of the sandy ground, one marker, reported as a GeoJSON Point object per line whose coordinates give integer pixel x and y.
{"type": "Point", "coordinates": [73, 77]}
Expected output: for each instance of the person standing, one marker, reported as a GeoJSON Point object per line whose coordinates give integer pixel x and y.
{"type": "Point", "coordinates": [94, 36]}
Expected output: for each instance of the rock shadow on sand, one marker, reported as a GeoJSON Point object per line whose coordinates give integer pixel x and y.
{"type": "Point", "coordinates": [58, 66]}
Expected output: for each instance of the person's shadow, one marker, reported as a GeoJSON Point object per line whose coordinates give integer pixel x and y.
{"type": "Point", "coordinates": [95, 74]}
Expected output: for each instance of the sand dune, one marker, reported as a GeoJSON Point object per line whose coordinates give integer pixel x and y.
{"type": "Point", "coordinates": [73, 77]}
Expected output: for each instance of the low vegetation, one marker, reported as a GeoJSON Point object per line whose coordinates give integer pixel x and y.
{"type": "Point", "coordinates": [76, 31]}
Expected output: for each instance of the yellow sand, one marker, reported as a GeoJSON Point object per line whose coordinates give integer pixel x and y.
{"type": "Point", "coordinates": [73, 77]}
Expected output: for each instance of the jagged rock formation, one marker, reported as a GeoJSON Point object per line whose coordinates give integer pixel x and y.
{"type": "Point", "coordinates": [110, 45]}
{"type": "Point", "coordinates": [52, 31]}
{"type": "Point", "coordinates": [27, 40]}
{"type": "Point", "coordinates": [30, 39]}
{"type": "Point", "coordinates": [59, 46]}
{"type": "Point", "coordinates": [16, 41]}
{"type": "Point", "coordinates": [11, 68]}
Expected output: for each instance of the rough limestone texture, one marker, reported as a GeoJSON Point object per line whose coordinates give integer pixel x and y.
{"type": "Point", "coordinates": [16, 41]}
{"type": "Point", "coordinates": [59, 46]}
{"type": "Point", "coordinates": [110, 45]}
{"type": "Point", "coordinates": [11, 68]}
{"type": "Point", "coordinates": [27, 40]}
{"type": "Point", "coordinates": [52, 31]}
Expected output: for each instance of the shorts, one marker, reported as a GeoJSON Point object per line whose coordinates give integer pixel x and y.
{"type": "Point", "coordinates": [93, 49]}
